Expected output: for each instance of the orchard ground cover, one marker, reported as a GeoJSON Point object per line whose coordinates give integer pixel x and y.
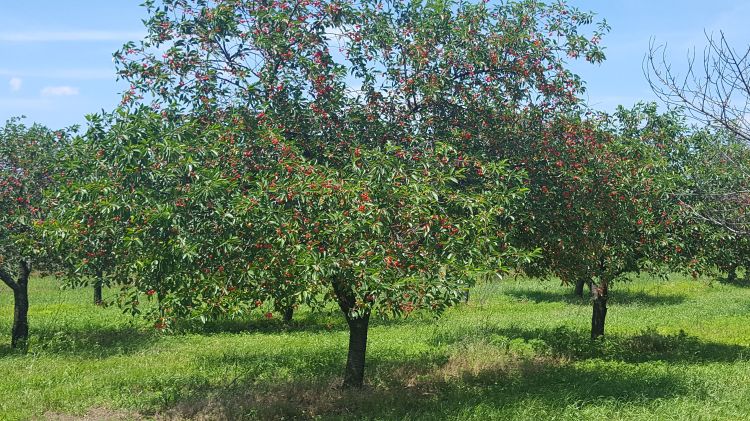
{"type": "Point", "coordinates": [519, 349]}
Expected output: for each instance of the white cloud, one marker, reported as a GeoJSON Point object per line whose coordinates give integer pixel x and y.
{"type": "Point", "coordinates": [59, 91]}
{"type": "Point", "coordinates": [15, 84]}
{"type": "Point", "coordinates": [63, 36]}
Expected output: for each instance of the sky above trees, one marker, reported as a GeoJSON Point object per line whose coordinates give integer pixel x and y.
{"type": "Point", "coordinates": [57, 64]}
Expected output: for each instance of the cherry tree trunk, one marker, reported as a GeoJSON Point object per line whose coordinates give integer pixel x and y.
{"type": "Point", "coordinates": [20, 331]}
{"type": "Point", "coordinates": [354, 373]}
{"type": "Point", "coordinates": [732, 274]}
{"type": "Point", "coordinates": [288, 314]}
{"type": "Point", "coordinates": [599, 296]}
{"type": "Point", "coordinates": [20, 287]}
{"type": "Point", "coordinates": [98, 291]}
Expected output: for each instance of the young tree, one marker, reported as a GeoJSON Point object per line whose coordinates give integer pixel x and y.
{"type": "Point", "coordinates": [27, 166]}
{"type": "Point", "coordinates": [602, 199]}
{"type": "Point", "coordinates": [84, 228]}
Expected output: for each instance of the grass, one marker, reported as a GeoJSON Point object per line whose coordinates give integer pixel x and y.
{"type": "Point", "coordinates": [676, 349]}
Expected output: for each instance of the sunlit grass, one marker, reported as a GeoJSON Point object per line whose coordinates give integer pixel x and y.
{"type": "Point", "coordinates": [519, 350]}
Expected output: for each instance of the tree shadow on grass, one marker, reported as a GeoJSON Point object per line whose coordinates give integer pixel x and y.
{"type": "Point", "coordinates": [425, 387]}
{"type": "Point", "coordinates": [307, 322]}
{"type": "Point", "coordinates": [86, 342]}
{"type": "Point", "coordinates": [743, 282]}
{"type": "Point", "coordinates": [563, 342]}
{"type": "Point", "coordinates": [310, 322]}
{"type": "Point", "coordinates": [624, 297]}
{"type": "Point", "coordinates": [503, 370]}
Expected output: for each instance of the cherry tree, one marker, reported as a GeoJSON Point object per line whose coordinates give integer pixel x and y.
{"type": "Point", "coordinates": [28, 161]}
{"type": "Point", "coordinates": [315, 151]}
{"type": "Point", "coordinates": [603, 199]}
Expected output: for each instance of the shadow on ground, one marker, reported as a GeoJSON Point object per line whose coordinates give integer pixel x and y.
{"type": "Point", "coordinates": [317, 322]}
{"type": "Point", "coordinates": [743, 282]}
{"type": "Point", "coordinates": [96, 341]}
{"type": "Point", "coordinates": [502, 369]}
{"type": "Point", "coordinates": [623, 297]}
{"type": "Point", "coordinates": [563, 342]}
{"type": "Point", "coordinates": [86, 342]}
{"type": "Point", "coordinates": [428, 387]}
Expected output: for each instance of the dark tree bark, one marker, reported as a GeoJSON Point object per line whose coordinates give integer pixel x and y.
{"type": "Point", "coordinates": [354, 373]}
{"type": "Point", "coordinates": [20, 287]}
{"type": "Point", "coordinates": [355, 360]}
{"type": "Point", "coordinates": [579, 286]}
{"type": "Point", "coordinates": [466, 295]}
{"type": "Point", "coordinates": [732, 274]}
{"type": "Point", "coordinates": [20, 316]}
{"type": "Point", "coordinates": [288, 314]}
{"type": "Point", "coordinates": [599, 296]}
{"type": "Point", "coordinates": [98, 290]}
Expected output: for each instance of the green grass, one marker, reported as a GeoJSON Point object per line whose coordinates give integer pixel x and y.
{"type": "Point", "coordinates": [519, 350]}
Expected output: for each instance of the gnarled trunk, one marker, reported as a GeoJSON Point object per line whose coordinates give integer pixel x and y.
{"type": "Point", "coordinates": [354, 373]}
{"type": "Point", "coordinates": [20, 287]}
{"type": "Point", "coordinates": [599, 296]}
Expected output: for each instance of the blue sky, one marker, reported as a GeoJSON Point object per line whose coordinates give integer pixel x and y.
{"type": "Point", "coordinates": [56, 56]}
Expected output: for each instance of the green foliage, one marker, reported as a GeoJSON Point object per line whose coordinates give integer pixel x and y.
{"type": "Point", "coordinates": [211, 220]}
{"type": "Point", "coordinates": [28, 165]}
{"type": "Point", "coordinates": [603, 195]}
{"type": "Point", "coordinates": [380, 158]}
{"type": "Point", "coordinates": [714, 168]}
{"type": "Point", "coordinates": [273, 167]}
